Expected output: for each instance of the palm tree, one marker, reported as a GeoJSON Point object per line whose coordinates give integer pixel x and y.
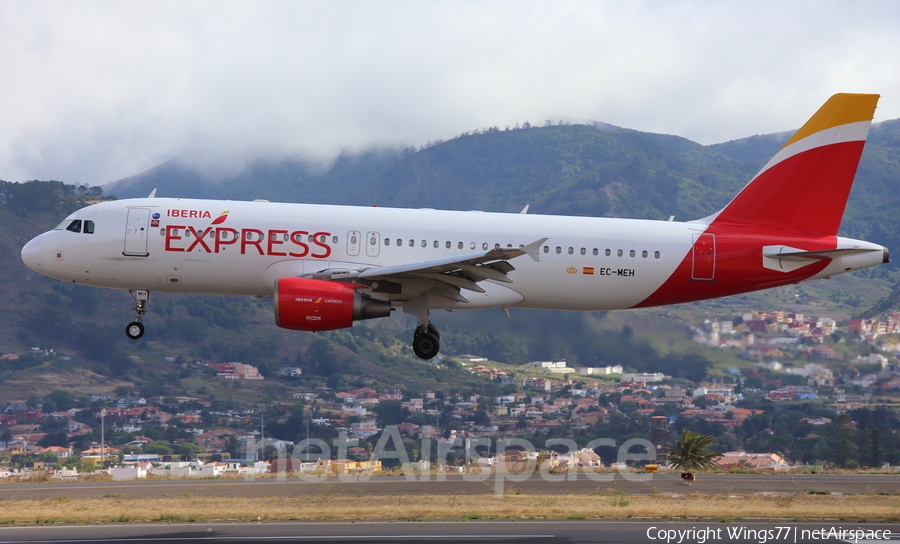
{"type": "Point", "coordinates": [692, 452]}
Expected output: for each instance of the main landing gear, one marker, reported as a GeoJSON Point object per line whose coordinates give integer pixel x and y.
{"type": "Point", "coordinates": [426, 341]}
{"type": "Point", "coordinates": [135, 329]}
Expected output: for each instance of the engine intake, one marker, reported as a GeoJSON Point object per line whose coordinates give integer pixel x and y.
{"type": "Point", "coordinates": [316, 305]}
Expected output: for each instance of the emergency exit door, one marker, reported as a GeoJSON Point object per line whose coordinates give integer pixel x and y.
{"type": "Point", "coordinates": [704, 258]}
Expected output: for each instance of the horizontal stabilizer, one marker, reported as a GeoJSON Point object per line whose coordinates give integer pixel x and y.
{"type": "Point", "coordinates": [791, 254]}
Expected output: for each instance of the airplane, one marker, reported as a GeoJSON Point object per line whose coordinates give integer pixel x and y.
{"type": "Point", "coordinates": [328, 266]}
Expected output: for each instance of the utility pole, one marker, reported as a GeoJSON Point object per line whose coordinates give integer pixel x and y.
{"type": "Point", "coordinates": [262, 432]}
{"type": "Point", "coordinates": [102, 436]}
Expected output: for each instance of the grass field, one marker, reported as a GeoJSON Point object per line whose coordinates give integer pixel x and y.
{"type": "Point", "coordinates": [324, 506]}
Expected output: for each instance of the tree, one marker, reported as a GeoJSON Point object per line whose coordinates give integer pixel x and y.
{"type": "Point", "coordinates": [845, 450]}
{"type": "Point", "coordinates": [62, 399]}
{"type": "Point", "coordinates": [873, 448]}
{"type": "Point", "coordinates": [57, 438]}
{"type": "Point", "coordinates": [691, 452]}
{"type": "Point", "coordinates": [189, 450]}
{"type": "Point", "coordinates": [233, 446]}
{"type": "Point", "coordinates": [158, 447]}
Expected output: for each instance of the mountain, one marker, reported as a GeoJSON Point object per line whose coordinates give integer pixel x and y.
{"type": "Point", "coordinates": [597, 170]}
{"type": "Point", "coordinates": [562, 169]}
{"type": "Point", "coordinates": [341, 182]}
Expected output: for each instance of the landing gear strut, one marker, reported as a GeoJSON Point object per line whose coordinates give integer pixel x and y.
{"type": "Point", "coordinates": [426, 341]}
{"type": "Point", "coordinates": [135, 329]}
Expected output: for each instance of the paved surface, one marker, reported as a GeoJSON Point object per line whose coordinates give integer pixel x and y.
{"type": "Point", "coordinates": [522, 532]}
{"type": "Point", "coordinates": [645, 484]}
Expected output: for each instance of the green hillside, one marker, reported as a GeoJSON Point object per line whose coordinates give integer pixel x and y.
{"type": "Point", "coordinates": [561, 169]}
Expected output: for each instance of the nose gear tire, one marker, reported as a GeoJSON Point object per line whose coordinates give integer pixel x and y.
{"type": "Point", "coordinates": [134, 330]}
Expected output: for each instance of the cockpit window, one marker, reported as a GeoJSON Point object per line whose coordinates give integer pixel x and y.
{"type": "Point", "coordinates": [63, 224]}
{"type": "Point", "coordinates": [74, 226]}
{"type": "Point", "coordinates": [88, 227]}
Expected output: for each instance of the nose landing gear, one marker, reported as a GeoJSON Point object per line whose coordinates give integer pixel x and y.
{"type": "Point", "coordinates": [426, 341]}
{"type": "Point", "coordinates": [135, 329]}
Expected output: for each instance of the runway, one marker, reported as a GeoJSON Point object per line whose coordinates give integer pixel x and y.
{"type": "Point", "coordinates": [644, 484]}
{"type": "Point", "coordinates": [518, 532]}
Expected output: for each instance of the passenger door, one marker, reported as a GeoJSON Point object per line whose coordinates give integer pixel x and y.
{"type": "Point", "coordinates": [137, 232]}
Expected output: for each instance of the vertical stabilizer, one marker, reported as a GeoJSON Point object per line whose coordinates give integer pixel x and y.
{"type": "Point", "coordinates": [805, 186]}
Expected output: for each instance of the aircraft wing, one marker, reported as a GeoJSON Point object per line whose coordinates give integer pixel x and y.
{"type": "Point", "coordinates": [446, 276]}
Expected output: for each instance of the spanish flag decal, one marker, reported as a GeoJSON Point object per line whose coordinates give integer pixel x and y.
{"type": "Point", "coordinates": [589, 270]}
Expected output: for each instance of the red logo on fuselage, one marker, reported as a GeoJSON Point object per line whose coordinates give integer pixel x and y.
{"type": "Point", "coordinates": [189, 213]}
{"type": "Point", "coordinates": [273, 242]}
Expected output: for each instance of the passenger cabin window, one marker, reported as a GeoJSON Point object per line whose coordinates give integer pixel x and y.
{"type": "Point", "coordinates": [74, 226]}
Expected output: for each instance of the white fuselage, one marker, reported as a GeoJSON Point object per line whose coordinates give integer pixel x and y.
{"type": "Point", "coordinates": [152, 244]}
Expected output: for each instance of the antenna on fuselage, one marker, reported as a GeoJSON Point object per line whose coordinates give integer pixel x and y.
{"type": "Point", "coordinates": [152, 194]}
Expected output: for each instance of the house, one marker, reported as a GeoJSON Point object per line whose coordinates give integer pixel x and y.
{"type": "Point", "coordinates": [130, 473]}
{"type": "Point", "coordinates": [94, 455]}
{"type": "Point", "coordinates": [14, 407]}
{"type": "Point", "coordinates": [58, 451]}
{"type": "Point", "coordinates": [763, 461]}
{"type": "Point", "coordinates": [414, 405]}
{"type": "Point", "coordinates": [211, 470]}
{"type": "Point", "coordinates": [603, 370]}
{"type": "Point", "coordinates": [26, 429]}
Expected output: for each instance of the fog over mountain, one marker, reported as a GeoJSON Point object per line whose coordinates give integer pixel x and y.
{"type": "Point", "coordinates": [98, 91]}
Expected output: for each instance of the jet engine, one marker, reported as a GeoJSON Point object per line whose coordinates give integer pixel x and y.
{"type": "Point", "coordinates": [316, 305]}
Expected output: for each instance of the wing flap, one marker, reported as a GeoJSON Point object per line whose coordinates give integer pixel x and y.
{"type": "Point", "coordinates": [448, 275]}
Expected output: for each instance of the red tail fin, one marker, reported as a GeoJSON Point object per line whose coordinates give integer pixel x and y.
{"type": "Point", "coordinates": [804, 187]}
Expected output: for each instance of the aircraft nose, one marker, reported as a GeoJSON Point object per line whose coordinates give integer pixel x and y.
{"type": "Point", "coordinates": [32, 254]}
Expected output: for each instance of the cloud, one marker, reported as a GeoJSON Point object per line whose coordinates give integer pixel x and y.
{"type": "Point", "coordinates": [96, 91]}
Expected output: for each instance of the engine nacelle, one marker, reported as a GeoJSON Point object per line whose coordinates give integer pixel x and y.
{"type": "Point", "coordinates": [316, 305]}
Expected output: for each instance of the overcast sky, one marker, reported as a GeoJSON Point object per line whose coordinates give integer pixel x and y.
{"type": "Point", "coordinates": [91, 92]}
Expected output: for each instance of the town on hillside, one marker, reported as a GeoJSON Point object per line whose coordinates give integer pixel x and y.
{"type": "Point", "coordinates": [804, 392]}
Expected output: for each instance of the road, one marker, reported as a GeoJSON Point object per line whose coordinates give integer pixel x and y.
{"type": "Point", "coordinates": [518, 532]}
{"type": "Point", "coordinates": [644, 484]}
